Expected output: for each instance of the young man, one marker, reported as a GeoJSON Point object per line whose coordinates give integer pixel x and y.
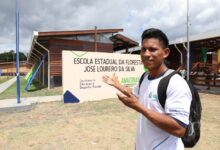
{"type": "Point", "coordinates": [158, 128]}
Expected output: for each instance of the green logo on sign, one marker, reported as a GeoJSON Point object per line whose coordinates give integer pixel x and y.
{"type": "Point", "coordinates": [130, 81]}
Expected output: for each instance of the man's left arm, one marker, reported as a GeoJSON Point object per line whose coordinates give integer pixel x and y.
{"type": "Point", "coordinates": [162, 121]}
{"type": "Point", "coordinates": [177, 107]}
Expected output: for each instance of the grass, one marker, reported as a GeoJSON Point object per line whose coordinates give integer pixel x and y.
{"type": "Point", "coordinates": [4, 78]}
{"type": "Point", "coordinates": [36, 89]}
{"type": "Point", "coordinates": [97, 125]}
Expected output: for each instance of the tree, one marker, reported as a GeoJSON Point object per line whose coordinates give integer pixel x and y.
{"type": "Point", "coordinates": [11, 56]}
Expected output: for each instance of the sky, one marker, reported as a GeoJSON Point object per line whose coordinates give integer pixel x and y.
{"type": "Point", "coordinates": [134, 16]}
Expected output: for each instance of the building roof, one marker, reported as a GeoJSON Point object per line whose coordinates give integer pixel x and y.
{"type": "Point", "coordinates": [120, 40]}
{"type": "Point", "coordinates": [77, 32]}
{"type": "Point", "coordinates": [198, 37]}
{"type": "Point", "coordinates": [41, 38]}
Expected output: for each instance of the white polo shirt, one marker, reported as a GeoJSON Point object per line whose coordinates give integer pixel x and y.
{"type": "Point", "coordinates": [150, 137]}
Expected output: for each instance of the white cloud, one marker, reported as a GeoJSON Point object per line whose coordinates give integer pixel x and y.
{"type": "Point", "coordinates": [133, 16]}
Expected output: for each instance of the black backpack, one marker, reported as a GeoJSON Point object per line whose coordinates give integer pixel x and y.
{"type": "Point", "coordinates": [192, 134]}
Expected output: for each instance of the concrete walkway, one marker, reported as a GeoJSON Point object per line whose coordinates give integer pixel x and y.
{"type": "Point", "coordinates": [7, 84]}
{"type": "Point", "coordinates": [11, 105]}
{"type": "Point", "coordinates": [213, 90]}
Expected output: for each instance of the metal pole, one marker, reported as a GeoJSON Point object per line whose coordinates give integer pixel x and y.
{"type": "Point", "coordinates": [17, 53]}
{"type": "Point", "coordinates": [188, 50]}
{"type": "Point", "coordinates": [7, 65]}
{"type": "Point", "coordinates": [47, 62]}
{"type": "Point", "coordinates": [13, 63]}
{"type": "Point", "coordinates": [181, 54]}
{"type": "Point", "coordinates": [95, 39]}
{"type": "Point", "coordinates": [43, 62]}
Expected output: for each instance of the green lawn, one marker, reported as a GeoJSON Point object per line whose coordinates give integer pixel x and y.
{"type": "Point", "coordinates": [4, 78]}
{"type": "Point", "coordinates": [36, 89]}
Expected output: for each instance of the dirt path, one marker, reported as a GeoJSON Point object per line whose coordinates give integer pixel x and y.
{"type": "Point", "coordinates": [101, 125]}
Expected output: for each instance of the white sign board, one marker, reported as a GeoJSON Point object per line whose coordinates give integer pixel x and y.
{"type": "Point", "coordinates": [83, 71]}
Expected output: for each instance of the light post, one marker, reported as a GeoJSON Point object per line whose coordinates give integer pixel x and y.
{"type": "Point", "coordinates": [17, 53]}
{"type": "Point", "coordinates": [188, 50]}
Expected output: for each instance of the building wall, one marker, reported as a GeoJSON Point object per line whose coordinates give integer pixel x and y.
{"type": "Point", "coordinates": [57, 45]}
{"type": "Point", "coordinates": [10, 68]}
{"type": "Point", "coordinates": [173, 60]}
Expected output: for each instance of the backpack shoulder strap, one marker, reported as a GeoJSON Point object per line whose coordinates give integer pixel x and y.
{"type": "Point", "coordinates": [162, 88]}
{"type": "Point", "coordinates": [141, 80]}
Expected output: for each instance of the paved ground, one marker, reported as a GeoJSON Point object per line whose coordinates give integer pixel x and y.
{"type": "Point", "coordinates": [213, 90]}
{"type": "Point", "coordinates": [10, 105]}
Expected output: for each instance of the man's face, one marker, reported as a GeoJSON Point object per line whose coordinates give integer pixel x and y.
{"type": "Point", "coordinates": [153, 53]}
